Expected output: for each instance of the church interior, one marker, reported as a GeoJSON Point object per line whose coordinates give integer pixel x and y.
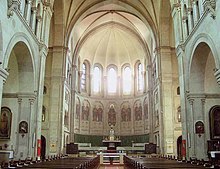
{"type": "Point", "coordinates": [128, 77]}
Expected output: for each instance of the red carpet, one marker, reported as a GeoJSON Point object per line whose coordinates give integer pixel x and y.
{"type": "Point", "coordinates": [111, 167]}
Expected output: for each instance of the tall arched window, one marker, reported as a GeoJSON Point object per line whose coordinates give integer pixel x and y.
{"type": "Point", "coordinates": [112, 81]}
{"type": "Point", "coordinates": [97, 80]}
{"type": "Point", "coordinates": [83, 77]}
{"type": "Point", "coordinates": [139, 77]}
{"type": "Point", "coordinates": [127, 80]}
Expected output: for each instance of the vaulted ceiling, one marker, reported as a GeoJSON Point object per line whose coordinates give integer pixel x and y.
{"type": "Point", "coordinates": [113, 31]}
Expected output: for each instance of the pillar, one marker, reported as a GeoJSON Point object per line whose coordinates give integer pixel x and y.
{"type": "Point", "coordinates": [3, 76]}
{"type": "Point", "coordinates": [28, 11]}
{"type": "Point", "coordinates": [191, 128]}
{"type": "Point", "coordinates": [43, 54]}
{"type": "Point", "coordinates": [190, 20]}
{"type": "Point", "coordinates": [195, 12]}
{"type": "Point", "coordinates": [34, 15]}
{"type": "Point", "coordinates": [43, 24]}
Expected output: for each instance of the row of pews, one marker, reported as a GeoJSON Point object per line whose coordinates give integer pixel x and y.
{"type": "Point", "coordinates": [58, 161]}
{"type": "Point", "coordinates": [28, 161]}
{"type": "Point", "coordinates": [164, 162]}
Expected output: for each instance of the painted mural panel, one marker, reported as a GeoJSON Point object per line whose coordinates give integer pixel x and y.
{"type": "Point", "coordinates": [125, 112]}
{"type": "Point", "coordinates": [5, 123]}
{"type": "Point", "coordinates": [98, 112]}
{"type": "Point", "coordinates": [77, 111]}
{"type": "Point", "coordinates": [85, 110]}
{"type": "Point", "coordinates": [112, 115]}
{"type": "Point", "coordinates": [138, 110]}
{"type": "Point", "coordinates": [146, 113]}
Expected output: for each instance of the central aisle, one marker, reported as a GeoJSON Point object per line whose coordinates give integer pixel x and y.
{"type": "Point", "coordinates": [111, 167]}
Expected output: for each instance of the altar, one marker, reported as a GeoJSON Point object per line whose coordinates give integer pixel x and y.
{"type": "Point", "coordinates": [111, 142]}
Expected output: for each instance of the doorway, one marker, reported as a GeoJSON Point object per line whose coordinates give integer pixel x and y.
{"type": "Point", "coordinates": [43, 147]}
{"type": "Point", "coordinates": [179, 148]}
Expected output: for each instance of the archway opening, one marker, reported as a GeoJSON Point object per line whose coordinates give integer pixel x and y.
{"type": "Point", "coordinates": [43, 147]}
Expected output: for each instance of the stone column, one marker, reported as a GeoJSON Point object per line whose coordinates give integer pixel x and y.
{"type": "Point", "coordinates": [48, 11]}
{"type": "Point", "coordinates": [79, 81]}
{"type": "Point", "coordinates": [145, 82]}
{"type": "Point", "coordinates": [183, 93]}
{"type": "Point", "coordinates": [43, 24]}
{"type": "Point", "coordinates": [105, 86]}
{"type": "Point", "coordinates": [185, 28]}
{"type": "Point", "coordinates": [30, 128]}
{"type": "Point", "coordinates": [34, 15]}
{"type": "Point", "coordinates": [43, 54]}
{"type": "Point", "coordinates": [177, 22]}
{"type": "Point", "coordinates": [201, 7]}
{"type": "Point", "coordinates": [135, 81]}
{"type": "Point", "coordinates": [190, 20]}
{"type": "Point", "coordinates": [3, 76]}
{"type": "Point", "coordinates": [18, 120]}
{"type": "Point", "coordinates": [150, 103]}
{"type": "Point", "coordinates": [38, 30]}
{"type": "Point", "coordinates": [191, 127]}
{"type": "Point", "coordinates": [119, 90]}
{"type": "Point", "coordinates": [195, 12]}
{"type": "Point", "coordinates": [22, 8]}
{"type": "Point", "coordinates": [91, 84]}
{"type": "Point", "coordinates": [28, 11]}
{"type": "Point", "coordinates": [180, 25]}
{"type": "Point", "coordinates": [56, 99]}
{"type": "Point", "coordinates": [205, 122]}
{"type": "Point", "coordinates": [73, 102]}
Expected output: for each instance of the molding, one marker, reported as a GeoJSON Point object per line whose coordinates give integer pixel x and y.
{"type": "Point", "coordinates": [3, 73]}
{"type": "Point", "coordinates": [202, 96]}
{"type": "Point", "coordinates": [217, 76]}
{"type": "Point", "coordinates": [209, 8]}
{"type": "Point", "coordinates": [20, 95]}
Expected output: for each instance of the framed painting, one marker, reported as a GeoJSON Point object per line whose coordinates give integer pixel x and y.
{"type": "Point", "coordinates": [5, 123]}
{"type": "Point", "coordinates": [215, 122]}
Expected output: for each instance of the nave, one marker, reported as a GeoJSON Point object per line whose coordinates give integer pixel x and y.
{"type": "Point", "coordinates": [130, 162]}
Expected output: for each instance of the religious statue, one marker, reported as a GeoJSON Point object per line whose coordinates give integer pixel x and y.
{"type": "Point", "coordinates": [77, 111]}
{"type": "Point", "coordinates": [138, 112]}
{"type": "Point", "coordinates": [112, 116]}
{"type": "Point", "coordinates": [85, 112]}
{"type": "Point", "coordinates": [111, 134]}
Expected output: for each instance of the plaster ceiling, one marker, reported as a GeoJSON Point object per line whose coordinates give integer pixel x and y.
{"type": "Point", "coordinates": [112, 31]}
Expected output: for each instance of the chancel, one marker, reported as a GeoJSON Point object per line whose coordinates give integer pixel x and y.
{"type": "Point", "coordinates": [94, 83]}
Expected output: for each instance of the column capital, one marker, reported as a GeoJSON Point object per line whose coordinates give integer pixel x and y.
{"type": "Point", "coordinates": [39, 18]}
{"type": "Point", "coordinates": [31, 100]}
{"type": "Point", "coordinates": [191, 101]}
{"type": "Point", "coordinates": [19, 100]}
{"type": "Point", "coordinates": [29, 1]}
{"type": "Point", "coordinates": [34, 9]}
{"type": "Point", "coordinates": [203, 101]}
{"type": "Point", "coordinates": [189, 10]}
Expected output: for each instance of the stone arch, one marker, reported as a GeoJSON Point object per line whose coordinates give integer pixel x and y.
{"type": "Point", "coordinates": [21, 40]}
{"type": "Point", "coordinates": [20, 84]}
{"type": "Point", "coordinates": [208, 40]}
{"type": "Point", "coordinates": [201, 75]}
{"type": "Point", "coordinates": [20, 68]}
